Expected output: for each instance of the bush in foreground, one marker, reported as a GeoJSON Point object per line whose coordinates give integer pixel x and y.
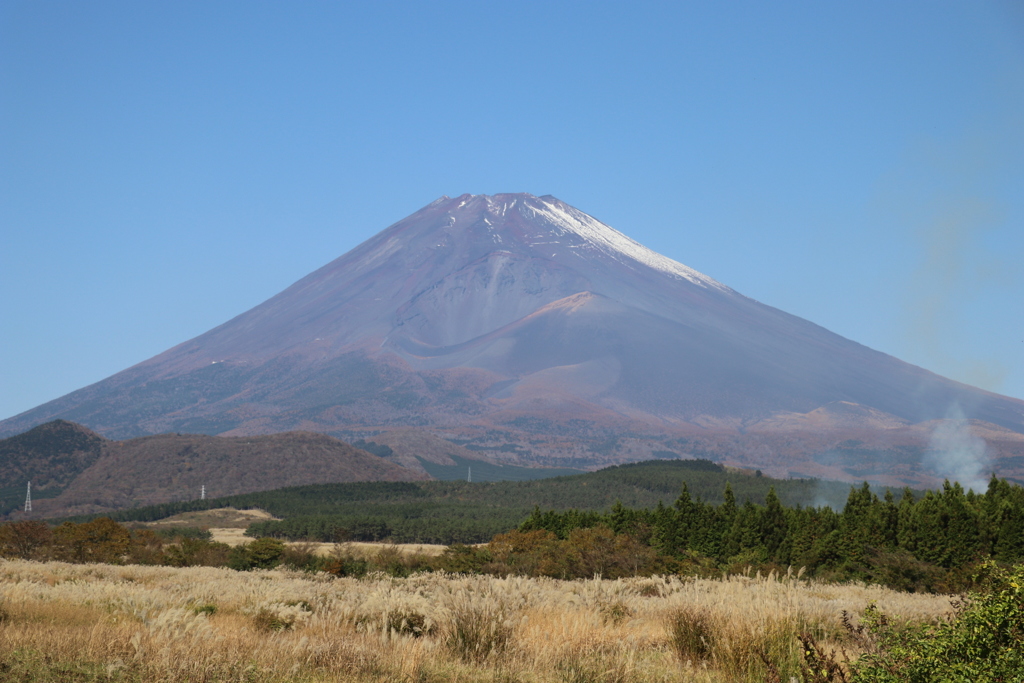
{"type": "Point", "coordinates": [982, 642]}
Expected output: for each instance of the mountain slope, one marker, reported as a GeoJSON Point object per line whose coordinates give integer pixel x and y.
{"type": "Point", "coordinates": [515, 313]}
{"type": "Point", "coordinates": [78, 471]}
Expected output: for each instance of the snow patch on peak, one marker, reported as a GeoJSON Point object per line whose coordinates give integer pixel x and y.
{"type": "Point", "coordinates": [612, 242]}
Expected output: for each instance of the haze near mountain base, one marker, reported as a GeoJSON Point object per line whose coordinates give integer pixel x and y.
{"type": "Point", "coordinates": [523, 326]}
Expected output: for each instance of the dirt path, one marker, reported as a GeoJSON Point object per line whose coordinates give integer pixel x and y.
{"type": "Point", "coordinates": [235, 536]}
{"type": "Point", "coordinates": [228, 525]}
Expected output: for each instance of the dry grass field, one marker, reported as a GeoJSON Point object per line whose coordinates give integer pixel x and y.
{"type": "Point", "coordinates": [236, 536]}
{"type": "Point", "coordinates": [228, 525]}
{"type": "Point", "coordinates": [63, 622]}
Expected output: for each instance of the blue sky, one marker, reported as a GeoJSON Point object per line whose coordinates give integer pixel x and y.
{"type": "Point", "coordinates": [166, 166]}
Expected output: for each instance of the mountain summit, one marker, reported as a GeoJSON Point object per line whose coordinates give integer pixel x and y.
{"type": "Point", "coordinates": [522, 316]}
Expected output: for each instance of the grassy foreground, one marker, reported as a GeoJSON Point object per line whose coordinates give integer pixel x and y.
{"type": "Point", "coordinates": [64, 622]}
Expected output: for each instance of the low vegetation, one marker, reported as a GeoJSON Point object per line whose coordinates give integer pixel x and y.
{"type": "Point", "coordinates": [96, 622]}
{"type": "Point", "coordinates": [934, 542]}
{"type": "Point", "coordinates": [79, 603]}
{"type": "Point", "coordinates": [695, 591]}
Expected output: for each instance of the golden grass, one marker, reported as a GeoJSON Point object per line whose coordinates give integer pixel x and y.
{"type": "Point", "coordinates": [131, 623]}
{"type": "Point", "coordinates": [236, 536]}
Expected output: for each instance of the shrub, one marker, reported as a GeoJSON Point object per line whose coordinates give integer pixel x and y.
{"type": "Point", "coordinates": [266, 552]}
{"type": "Point", "coordinates": [983, 641]}
{"type": "Point", "coordinates": [478, 629]}
{"type": "Point", "coordinates": [615, 611]}
{"type": "Point", "coordinates": [744, 650]}
{"type": "Point", "coordinates": [598, 551]}
{"type": "Point", "coordinates": [302, 556]}
{"type": "Point", "coordinates": [820, 665]}
{"type": "Point", "coordinates": [392, 562]}
{"type": "Point", "coordinates": [462, 559]}
{"type": "Point", "coordinates": [758, 650]}
{"type": "Point", "coordinates": [209, 609]}
{"type": "Point", "coordinates": [342, 561]}
{"type": "Point", "coordinates": [267, 620]}
{"type": "Point", "coordinates": [691, 633]}
{"type": "Point", "coordinates": [281, 616]}
{"type": "Point", "coordinates": [408, 622]}
{"type": "Point", "coordinates": [263, 553]}
{"type": "Point", "coordinates": [195, 552]}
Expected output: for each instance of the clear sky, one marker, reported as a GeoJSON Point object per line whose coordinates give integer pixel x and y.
{"type": "Point", "coordinates": [166, 166]}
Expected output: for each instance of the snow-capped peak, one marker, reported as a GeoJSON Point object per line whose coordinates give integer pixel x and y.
{"type": "Point", "coordinates": [610, 241]}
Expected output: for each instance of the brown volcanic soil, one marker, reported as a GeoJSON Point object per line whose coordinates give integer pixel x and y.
{"type": "Point", "coordinates": [170, 467]}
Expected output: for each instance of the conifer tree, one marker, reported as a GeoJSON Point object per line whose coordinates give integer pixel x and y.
{"type": "Point", "coordinates": [729, 504]}
{"type": "Point", "coordinates": [961, 521]}
{"type": "Point", "coordinates": [774, 525]}
{"type": "Point", "coordinates": [687, 519]}
{"type": "Point", "coordinates": [906, 531]}
{"type": "Point", "coordinates": [890, 521]}
{"type": "Point", "coordinates": [927, 535]}
{"type": "Point", "coordinates": [666, 530]}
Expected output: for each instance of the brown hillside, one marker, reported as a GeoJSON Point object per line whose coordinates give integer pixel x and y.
{"type": "Point", "coordinates": [409, 444]}
{"type": "Point", "coordinates": [169, 467]}
{"type": "Point", "coordinates": [50, 456]}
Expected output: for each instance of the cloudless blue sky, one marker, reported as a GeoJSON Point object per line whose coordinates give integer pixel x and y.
{"type": "Point", "coordinates": [166, 166]}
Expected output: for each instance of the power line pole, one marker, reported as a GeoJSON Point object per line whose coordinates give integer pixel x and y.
{"type": "Point", "coordinates": [469, 474]}
{"type": "Point", "coordinates": [28, 498]}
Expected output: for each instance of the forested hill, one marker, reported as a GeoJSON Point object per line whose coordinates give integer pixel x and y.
{"type": "Point", "coordinates": [455, 511]}
{"type": "Point", "coordinates": [50, 456]}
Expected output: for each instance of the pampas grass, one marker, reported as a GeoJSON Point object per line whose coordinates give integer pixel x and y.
{"type": "Point", "coordinates": [133, 623]}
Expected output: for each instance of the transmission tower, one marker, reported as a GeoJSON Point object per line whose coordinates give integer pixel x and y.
{"type": "Point", "coordinates": [202, 493]}
{"type": "Point", "coordinates": [28, 498]}
{"type": "Point", "coordinates": [469, 474]}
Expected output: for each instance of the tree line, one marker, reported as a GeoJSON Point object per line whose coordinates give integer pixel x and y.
{"type": "Point", "coordinates": [926, 542]}
{"type": "Point", "coordinates": [105, 541]}
{"type": "Point", "coordinates": [461, 512]}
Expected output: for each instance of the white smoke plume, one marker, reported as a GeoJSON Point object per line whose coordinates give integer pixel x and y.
{"type": "Point", "coordinates": [955, 453]}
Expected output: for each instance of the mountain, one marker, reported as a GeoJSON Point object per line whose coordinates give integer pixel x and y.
{"type": "Point", "coordinates": [524, 326]}
{"type": "Point", "coordinates": [76, 471]}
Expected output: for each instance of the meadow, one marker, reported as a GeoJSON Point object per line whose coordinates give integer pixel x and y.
{"type": "Point", "coordinates": [99, 622]}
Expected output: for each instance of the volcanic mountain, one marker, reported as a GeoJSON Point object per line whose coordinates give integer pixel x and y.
{"type": "Point", "coordinates": [522, 325]}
